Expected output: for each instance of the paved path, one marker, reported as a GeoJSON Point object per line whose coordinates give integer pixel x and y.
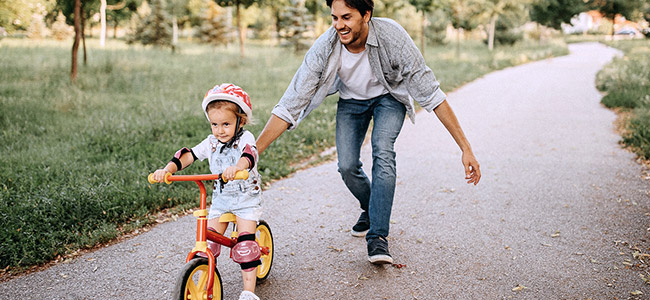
{"type": "Point", "coordinates": [558, 211]}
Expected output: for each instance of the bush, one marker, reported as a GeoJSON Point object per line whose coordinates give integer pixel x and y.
{"type": "Point", "coordinates": [626, 82]}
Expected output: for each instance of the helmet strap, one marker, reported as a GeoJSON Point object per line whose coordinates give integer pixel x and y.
{"type": "Point", "coordinates": [238, 132]}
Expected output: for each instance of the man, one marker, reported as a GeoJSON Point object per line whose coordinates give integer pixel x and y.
{"type": "Point", "coordinates": [377, 70]}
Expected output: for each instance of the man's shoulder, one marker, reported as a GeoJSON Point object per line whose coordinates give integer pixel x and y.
{"type": "Point", "coordinates": [388, 26]}
{"type": "Point", "coordinates": [389, 32]}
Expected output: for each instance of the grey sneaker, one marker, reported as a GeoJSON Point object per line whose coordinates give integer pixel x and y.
{"type": "Point", "coordinates": [378, 251]}
{"type": "Point", "coordinates": [363, 224]}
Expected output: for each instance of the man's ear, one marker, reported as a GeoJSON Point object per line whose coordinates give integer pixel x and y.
{"type": "Point", "coordinates": [366, 17]}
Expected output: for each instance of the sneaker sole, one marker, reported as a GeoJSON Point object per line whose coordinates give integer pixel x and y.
{"type": "Point", "coordinates": [359, 233]}
{"type": "Point", "coordinates": [380, 259]}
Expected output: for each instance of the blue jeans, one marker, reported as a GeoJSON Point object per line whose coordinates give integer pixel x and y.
{"type": "Point", "coordinates": [352, 122]}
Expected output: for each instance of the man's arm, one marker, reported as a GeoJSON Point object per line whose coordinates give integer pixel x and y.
{"type": "Point", "coordinates": [272, 130]}
{"type": "Point", "coordinates": [449, 120]}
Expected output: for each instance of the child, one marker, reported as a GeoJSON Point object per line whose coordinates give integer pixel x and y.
{"type": "Point", "coordinates": [229, 149]}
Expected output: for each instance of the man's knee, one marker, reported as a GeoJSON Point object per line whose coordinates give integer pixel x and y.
{"type": "Point", "coordinates": [247, 252]}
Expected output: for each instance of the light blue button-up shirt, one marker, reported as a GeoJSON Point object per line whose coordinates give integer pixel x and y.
{"type": "Point", "coordinates": [394, 59]}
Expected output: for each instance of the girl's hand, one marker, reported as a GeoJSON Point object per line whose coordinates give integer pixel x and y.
{"type": "Point", "coordinates": [159, 175]}
{"type": "Point", "coordinates": [229, 173]}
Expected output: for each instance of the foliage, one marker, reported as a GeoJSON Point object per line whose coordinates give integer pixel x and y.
{"type": "Point", "coordinates": [626, 82]}
{"type": "Point", "coordinates": [553, 13]}
{"type": "Point", "coordinates": [295, 24]}
{"type": "Point", "coordinates": [17, 14]}
{"type": "Point", "coordinates": [215, 27]}
{"type": "Point", "coordinates": [60, 29]}
{"type": "Point", "coordinates": [37, 29]}
{"type": "Point", "coordinates": [435, 31]}
{"type": "Point", "coordinates": [610, 8]}
{"type": "Point", "coordinates": [155, 28]}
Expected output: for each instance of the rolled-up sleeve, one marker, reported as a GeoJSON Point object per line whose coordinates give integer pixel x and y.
{"type": "Point", "coordinates": [420, 81]}
{"type": "Point", "coordinates": [303, 86]}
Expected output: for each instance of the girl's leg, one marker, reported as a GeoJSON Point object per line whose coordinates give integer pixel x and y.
{"type": "Point", "coordinates": [218, 226]}
{"type": "Point", "coordinates": [249, 278]}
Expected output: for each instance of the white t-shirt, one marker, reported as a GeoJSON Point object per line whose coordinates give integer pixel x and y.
{"type": "Point", "coordinates": [357, 80]}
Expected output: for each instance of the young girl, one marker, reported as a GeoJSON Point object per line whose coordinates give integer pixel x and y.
{"type": "Point", "coordinates": [229, 149]}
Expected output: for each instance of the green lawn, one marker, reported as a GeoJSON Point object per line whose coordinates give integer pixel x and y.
{"type": "Point", "coordinates": [75, 156]}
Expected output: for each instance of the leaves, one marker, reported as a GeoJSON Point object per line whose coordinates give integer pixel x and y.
{"type": "Point", "coordinates": [519, 288]}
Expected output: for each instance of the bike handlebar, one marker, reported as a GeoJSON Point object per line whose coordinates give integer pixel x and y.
{"type": "Point", "coordinates": [169, 178]}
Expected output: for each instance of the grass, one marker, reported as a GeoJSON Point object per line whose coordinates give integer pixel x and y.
{"type": "Point", "coordinates": [75, 156]}
{"type": "Point", "coordinates": [626, 83]}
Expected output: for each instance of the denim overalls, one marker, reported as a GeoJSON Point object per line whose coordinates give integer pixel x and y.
{"type": "Point", "coordinates": [240, 197]}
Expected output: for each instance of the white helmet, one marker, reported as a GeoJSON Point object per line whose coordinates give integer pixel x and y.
{"type": "Point", "coordinates": [229, 92]}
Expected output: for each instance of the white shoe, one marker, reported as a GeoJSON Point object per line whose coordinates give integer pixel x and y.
{"type": "Point", "coordinates": [248, 295]}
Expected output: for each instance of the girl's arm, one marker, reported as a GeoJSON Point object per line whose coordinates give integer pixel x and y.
{"type": "Point", "coordinates": [229, 173]}
{"type": "Point", "coordinates": [185, 158]}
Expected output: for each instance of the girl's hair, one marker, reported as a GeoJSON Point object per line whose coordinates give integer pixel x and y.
{"type": "Point", "coordinates": [227, 105]}
{"type": "Point", "coordinates": [362, 6]}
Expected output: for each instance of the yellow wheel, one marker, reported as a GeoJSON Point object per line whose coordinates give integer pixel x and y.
{"type": "Point", "coordinates": [264, 237]}
{"type": "Point", "coordinates": [193, 281]}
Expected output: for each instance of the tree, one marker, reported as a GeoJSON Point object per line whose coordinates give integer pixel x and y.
{"type": "Point", "coordinates": [240, 27]}
{"type": "Point", "coordinates": [462, 15]}
{"type": "Point", "coordinates": [295, 24]}
{"type": "Point", "coordinates": [77, 37]}
{"type": "Point", "coordinates": [388, 8]}
{"type": "Point", "coordinates": [493, 9]}
{"type": "Point", "coordinates": [60, 29]}
{"type": "Point", "coordinates": [424, 7]}
{"type": "Point", "coordinates": [37, 28]}
{"type": "Point", "coordinates": [155, 28]}
{"type": "Point", "coordinates": [611, 8]}
{"type": "Point", "coordinates": [17, 14]}
{"type": "Point", "coordinates": [553, 13]}
{"type": "Point", "coordinates": [215, 27]}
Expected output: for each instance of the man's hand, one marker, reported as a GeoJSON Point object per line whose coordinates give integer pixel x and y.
{"type": "Point", "coordinates": [472, 168]}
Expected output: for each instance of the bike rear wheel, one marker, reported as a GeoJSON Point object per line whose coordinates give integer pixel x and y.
{"type": "Point", "coordinates": [193, 281]}
{"type": "Point", "coordinates": [264, 238]}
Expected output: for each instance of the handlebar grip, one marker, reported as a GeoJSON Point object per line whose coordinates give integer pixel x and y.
{"type": "Point", "coordinates": [240, 175]}
{"type": "Point", "coordinates": [151, 181]}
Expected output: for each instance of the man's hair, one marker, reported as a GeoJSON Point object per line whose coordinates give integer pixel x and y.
{"type": "Point", "coordinates": [362, 6]}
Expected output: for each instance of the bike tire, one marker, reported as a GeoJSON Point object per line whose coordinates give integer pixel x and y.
{"type": "Point", "coordinates": [264, 237]}
{"type": "Point", "coordinates": [193, 281]}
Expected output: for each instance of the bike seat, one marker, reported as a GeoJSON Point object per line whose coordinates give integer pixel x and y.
{"type": "Point", "coordinates": [227, 217]}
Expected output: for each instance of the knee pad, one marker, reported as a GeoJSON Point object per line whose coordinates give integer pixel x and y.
{"type": "Point", "coordinates": [215, 248]}
{"type": "Point", "coordinates": [246, 252]}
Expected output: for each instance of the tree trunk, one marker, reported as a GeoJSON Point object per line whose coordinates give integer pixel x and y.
{"type": "Point", "coordinates": [422, 42]}
{"type": "Point", "coordinates": [174, 31]}
{"type": "Point", "coordinates": [115, 29]}
{"type": "Point", "coordinates": [83, 35]}
{"type": "Point", "coordinates": [458, 42]}
{"type": "Point", "coordinates": [77, 36]}
{"type": "Point", "coordinates": [491, 32]}
{"type": "Point", "coordinates": [242, 34]}
{"type": "Point", "coordinates": [102, 30]}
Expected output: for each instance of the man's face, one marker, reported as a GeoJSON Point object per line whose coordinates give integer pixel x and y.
{"type": "Point", "coordinates": [350, 25]}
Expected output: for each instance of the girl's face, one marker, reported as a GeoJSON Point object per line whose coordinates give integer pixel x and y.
{"type": "Point", "coordinates": [223, 123]}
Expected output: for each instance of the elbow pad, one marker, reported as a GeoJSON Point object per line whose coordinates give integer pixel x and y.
{"type": "Point", "coordinates": [177, 157]}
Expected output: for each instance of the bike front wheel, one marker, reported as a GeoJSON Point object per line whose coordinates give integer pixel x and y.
{"type": "Point", "coordinates": [264, 239]}
{"type": "Point", "coordinates": [193, 281]}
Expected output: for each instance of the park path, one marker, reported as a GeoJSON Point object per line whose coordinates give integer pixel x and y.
{"type": "Point", "coordinates": [558, 214]}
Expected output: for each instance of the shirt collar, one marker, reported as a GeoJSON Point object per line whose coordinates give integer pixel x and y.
{"type": "Point", "coordinates": [372, 36]}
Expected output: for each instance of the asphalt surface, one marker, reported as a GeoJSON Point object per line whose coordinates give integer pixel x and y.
{"type": "Point", "coordinates": [559, 212]}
